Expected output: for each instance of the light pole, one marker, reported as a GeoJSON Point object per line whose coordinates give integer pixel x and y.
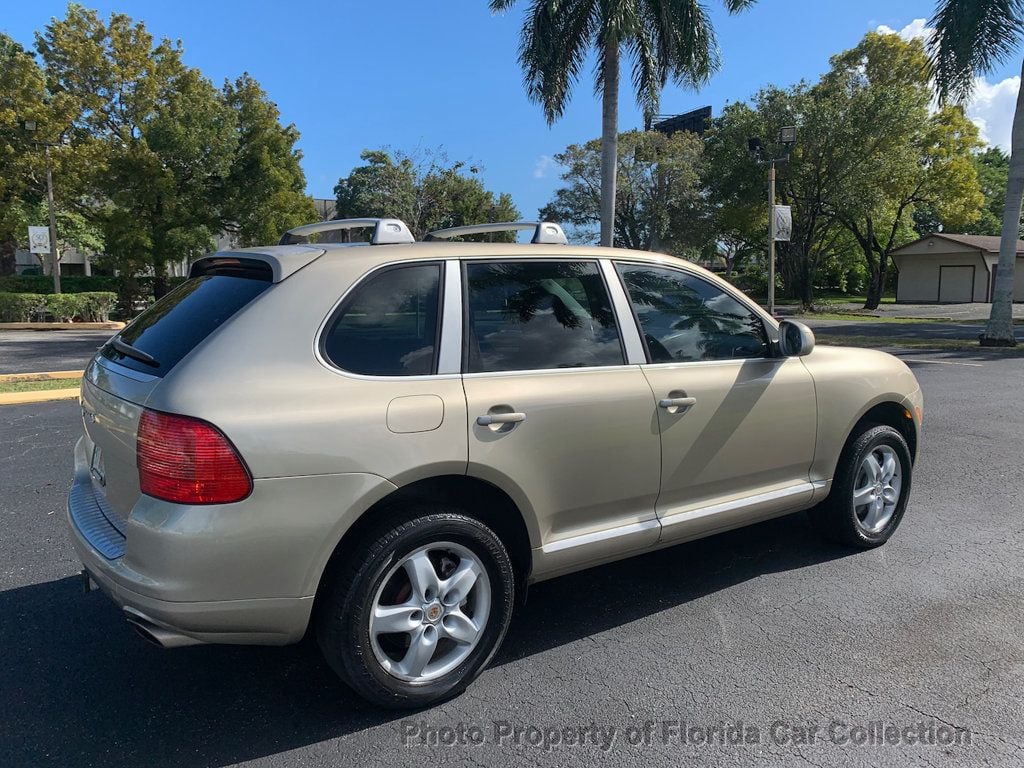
{"type": "Point", "coordinates": [787, 138]}
{"type": "Point", "coordinates": [30, 126]}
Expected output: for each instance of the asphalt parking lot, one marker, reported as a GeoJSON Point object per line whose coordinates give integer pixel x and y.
{"type": "Point", "coordinates": [756, 627]}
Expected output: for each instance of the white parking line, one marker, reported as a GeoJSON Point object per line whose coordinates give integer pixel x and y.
{"type": "Point", "coordinates": [942, 362]}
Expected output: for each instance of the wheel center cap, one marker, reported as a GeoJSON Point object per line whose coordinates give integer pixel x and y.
{"type": "Point", "coordinates": [433, 612]}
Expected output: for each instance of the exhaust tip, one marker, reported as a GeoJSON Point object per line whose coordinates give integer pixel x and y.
{"type": "Point", "coordinates": [156, 635]}
{"type": "Point", "coordinates": [144, 633]}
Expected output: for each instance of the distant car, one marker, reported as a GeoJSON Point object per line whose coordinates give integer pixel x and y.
{"type": "Point", "coordinates": [388, 443]}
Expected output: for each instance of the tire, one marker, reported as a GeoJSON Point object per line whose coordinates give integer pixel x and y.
{"type": "Point", "coordinates": [388, 567]}
{"type": "Point", "coordinates": [865, 525]}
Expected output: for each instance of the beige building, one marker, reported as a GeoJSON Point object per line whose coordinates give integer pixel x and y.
{"type": "Point", "coordinates": [947, 269]}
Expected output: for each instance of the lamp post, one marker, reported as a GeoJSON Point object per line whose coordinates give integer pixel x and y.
{"type": "Point", "coordinates": [787, 138]}
{"type": "Point", "coordinates": [30, 126]}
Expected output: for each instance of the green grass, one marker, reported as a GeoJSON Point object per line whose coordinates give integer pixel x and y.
{"type": "Point", "coordinates": [38, 386]}
{"type": "Point", "coordinates": [868, 318]}
{"type": "Point", "coordinates": [938, 345]}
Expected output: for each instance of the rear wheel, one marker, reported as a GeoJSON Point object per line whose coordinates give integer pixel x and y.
{"type": "Point", "coordinates": [870, 491]}
{"type": "Point", "coordinates": [419, 609]}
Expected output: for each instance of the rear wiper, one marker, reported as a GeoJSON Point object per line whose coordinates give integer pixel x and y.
{"type": "Point", "coordinates": [128, 350]}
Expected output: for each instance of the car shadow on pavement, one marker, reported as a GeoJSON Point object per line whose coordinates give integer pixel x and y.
{"type": "Point", "coordinates": [77, 687]}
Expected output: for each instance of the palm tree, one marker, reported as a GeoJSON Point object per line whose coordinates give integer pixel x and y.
{"type": "Point", "coordinates": [971, 37]}
{"type": "Point", "coordinates": [665, 38]}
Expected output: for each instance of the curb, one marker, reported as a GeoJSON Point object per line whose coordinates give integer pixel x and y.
{"type": "Point", "coordinates": [38, 396]}
{"type": "Point", "coordinates": [7, 378]}
{"type": "Point", "coordinates": [111, 326]}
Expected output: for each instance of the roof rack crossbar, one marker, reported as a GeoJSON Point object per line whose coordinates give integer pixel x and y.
{"type": "Point", "coordinates": [385, 231]}
{"type": "Point", "coordinates": [544, 232]}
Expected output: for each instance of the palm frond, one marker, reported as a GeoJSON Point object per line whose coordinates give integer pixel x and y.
{"type": "Point", "coordinates": [501, 5]}
{"type": "Point", "coordinates": [690, 41]}
{"type": "Point", "coordinates": [556, 37]}
{"type": "Point", "coordinates": [735, 6]}
{"type": "Point", "coordinates": [971, 37]}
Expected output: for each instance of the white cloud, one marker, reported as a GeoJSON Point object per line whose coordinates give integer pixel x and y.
{"type": "Point", "coordinates": [543, 166]}
{"type": "Point", "coordinates": [918, 28]}
{"type": "Point", "coordinates": [991, 105]}
{"type": "Point", "coordinates": [991, 109]}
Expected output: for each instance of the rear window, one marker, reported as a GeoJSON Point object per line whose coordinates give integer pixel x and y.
{"type": "Point", "coordinates": [182, 319]}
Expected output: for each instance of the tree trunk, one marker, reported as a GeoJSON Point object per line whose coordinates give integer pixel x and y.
{"type": "Point", "coordinates": [8, 257]}
{"type": "Point", "coordinates": [609, 140]}
{"type": "Point", "coordinates": [999, 331]}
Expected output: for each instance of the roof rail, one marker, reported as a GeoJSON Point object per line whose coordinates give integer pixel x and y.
{"type": "Point", "coordinates": [545, 232]}
{"type": "Point", "coordinates": [385, 231]}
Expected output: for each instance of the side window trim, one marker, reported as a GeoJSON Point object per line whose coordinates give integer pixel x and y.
{"type": "Point", "coordinates": [450, 355]}
{"type": "Point", "coordinates": [741, 298]}
{"type": "Point", "coordinates": [629, 325]}
{"type": "Point", "coordinates": [320, 340]}
{"type": "Point", "coordinates": [609, 286]}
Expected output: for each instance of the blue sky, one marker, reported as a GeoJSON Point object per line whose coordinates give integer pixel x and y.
{"type": "Point", "coordinates": [424, 75]}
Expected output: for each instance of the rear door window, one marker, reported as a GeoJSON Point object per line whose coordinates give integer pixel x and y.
{"type": "Point", "coordinates": [388, 325]}
{"type": "Point", "coordinates": [181, 320]}
{"type": "Point", "coordinates": [532, 315]}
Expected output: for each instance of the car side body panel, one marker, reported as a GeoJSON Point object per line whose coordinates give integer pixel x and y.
{"type": "Point", "coordinates": [848, 382]}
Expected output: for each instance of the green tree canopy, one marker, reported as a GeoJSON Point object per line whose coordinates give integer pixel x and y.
{"type": "Point", "coordinates": [265, 189]}
{"type": "Point", "coordinates": [432, 194]}
{"type": "Point", "coordinates": [156, 155]}
{"type": "Point", "coordinates": [913, 158]}
{"type": "Point", "coordinates": [659, 203]}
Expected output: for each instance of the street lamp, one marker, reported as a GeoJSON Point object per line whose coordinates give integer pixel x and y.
{"type": "Point", "coordinates": [30, 127]}
{"type": "Point", "coordinates": [787, 138]}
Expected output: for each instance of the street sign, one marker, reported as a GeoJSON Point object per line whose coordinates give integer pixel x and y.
{"type": "Point", "coordinates": [39, 239]}
{"type": "Point", "coordinates": [782, 223]}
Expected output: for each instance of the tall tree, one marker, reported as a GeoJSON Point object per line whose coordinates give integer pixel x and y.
{"type": "Point", "coordinates": [23, 97]}
{"type": "Point", "coordinates": [912, 158]}
{"type": "Point", "coordinates": [820, 163]}
{"type": "Point", "coordinates": [658, 198]}
{"type": "Point", "coordinates": [666, 39]}
{"type": "Point", "coordinates": [429, 194]}
{"type": "Point", "coordinates": [971, 37]}
{"type": "Point", "coordinates": [162, 136]}
{"type": "Point", "coordinates": [265, 189]}
{"type": "Point", "coordinates": [993, 169]}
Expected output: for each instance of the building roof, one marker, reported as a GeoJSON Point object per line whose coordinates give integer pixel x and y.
{"type": "Point", "coordinates": [989, 243]}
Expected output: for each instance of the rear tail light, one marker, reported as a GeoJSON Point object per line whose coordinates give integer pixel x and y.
{"type": "Point", "coordinates": [188, 461]}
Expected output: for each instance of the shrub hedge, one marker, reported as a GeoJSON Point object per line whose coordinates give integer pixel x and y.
{"type": "Point", "coordinates": [91, 306]}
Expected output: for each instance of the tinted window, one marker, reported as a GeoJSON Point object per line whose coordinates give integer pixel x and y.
{"type": "Point", "coordinates": [388, 325]}
{"type": "Point", "coordinates": [533, 315]}
{"type": "Point", "coordinates": [179, 322]}
{"type": "Point", "coordinates": [685, 318]}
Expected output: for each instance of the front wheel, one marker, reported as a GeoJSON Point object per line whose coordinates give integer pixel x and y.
{"type": "Point", "coordinates": [419, 609]}
{"type": "Point", "coordinates": [870, 491]}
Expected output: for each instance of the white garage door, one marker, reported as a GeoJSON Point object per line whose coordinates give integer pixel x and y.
{"type": "Point", "coordinates": [956, 284]}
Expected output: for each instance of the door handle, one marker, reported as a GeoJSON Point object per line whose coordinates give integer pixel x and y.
{"type": "Point", "coordinates": [500, 418]}
{"type": "Point", "coordinates": [677, 402]}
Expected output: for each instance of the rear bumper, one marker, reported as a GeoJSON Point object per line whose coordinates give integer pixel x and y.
{"type": "Point", "coordinates": [237, 573]}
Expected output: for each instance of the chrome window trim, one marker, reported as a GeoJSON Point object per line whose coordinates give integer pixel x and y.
{"type": "Point", "coordinates": [318, 336]}
{"type": "Point", "coordinates": [628, 329]}
{"type": "Point", "coordinates": [553, 371]}
{"type": "Point", "coordinates": [449, 357]}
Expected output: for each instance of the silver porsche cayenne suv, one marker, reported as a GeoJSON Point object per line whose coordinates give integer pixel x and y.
{"type": "Point", "coordinates": [386, 444]}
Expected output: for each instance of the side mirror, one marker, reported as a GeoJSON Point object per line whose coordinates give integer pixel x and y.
{"type": "Point", "coordinates": [795, 339]}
